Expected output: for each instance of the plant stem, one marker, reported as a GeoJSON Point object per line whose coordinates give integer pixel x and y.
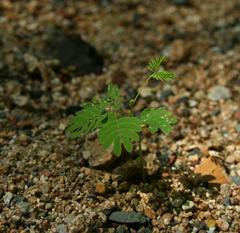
{"type": "Point", "coordinates": [133, 101]}
{"type": "Point", "coordinates": [141, 159]}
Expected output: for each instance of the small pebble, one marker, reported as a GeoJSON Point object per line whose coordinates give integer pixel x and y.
{"type": "Point", "coordinates": [149, 212]}
{"type": "Point", "coordinates": [69, 218]}
{"type": "Point", "coordinates": [167, 218]}
{"type": "Point", "coordinates": [146, 92]}
{"type": "Point", "coordinates": [192, 103]}
{"type": "Point", "coordinates": [177, 202]}
{"type": "Point", "coordinates": [100, 188]}
{"type": "Point", "coordinates": [238, 127]}
{"type": "Point", "coordinates": [20, 100]}
{"type": "Point", "coordinates": [188, 205]}
{"type": "Point", "coordinates": [193, 158]}
{"type": "Point", "coordinates": [7, 198]}
{"type": "Point", "coordinates": [222, 224]}
{"type": "Point", "coordinates": [234, 157]}
{"type": "Point", "coordinates": [226, 201]}
{"type": "Point", "coordinates": [61, 228]}
{"type": "Point", "coordinates": [48, 206]}
{"type": "Point", "coordinates": [219, 93]}
{"type": "Point", "coordinates": [237, 115]}
{"type": "Point", "coordinates": [23, 139]}
{"type": "Point", "coordinates": [211, 224]}
{"type": "Point", "coordinates": [236, 179]}
{"type": "Point", "coordinates": [24, 207]}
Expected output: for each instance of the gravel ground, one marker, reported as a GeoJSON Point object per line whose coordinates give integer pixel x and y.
{"type": "Point", "coordinates": [56, 55]}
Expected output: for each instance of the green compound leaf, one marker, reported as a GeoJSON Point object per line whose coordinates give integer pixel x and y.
{"type": "Point", "coordinates": [163, 75]}
{"type": "Point", "coordinates": [155, 63]}
{"type": "Point", "coordinates": [158, 118]}
{"type": "Point", "coordinates": [93, 113]}
{"type": "Point", "coordinates": [119, 131]}
{"type": "Point", "coordinates": [85, 121]}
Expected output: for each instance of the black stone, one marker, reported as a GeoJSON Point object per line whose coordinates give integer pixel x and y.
{"type": "Point", "coordinates": [72, 51]}
{"type": "Point", "coordinates": [36, 94]}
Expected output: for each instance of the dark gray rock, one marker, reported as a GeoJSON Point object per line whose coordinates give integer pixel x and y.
{"type": "Point", "coordinates": [236, 179]}
{"type": "Point", "coordinates": [238, 127]}
{"type": "Point", "coordinates": [24, 207]}
{"type": "Point", "coordinates": [180, 2]}
{"type": "Point", "coordinates": [226, 201]}
{"type": "Point", "coordinates": [127, 217]}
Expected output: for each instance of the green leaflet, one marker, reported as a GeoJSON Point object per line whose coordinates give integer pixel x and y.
{"type": "Point", "coordinates": [113, 92]}
{"type": "Point", "coordinates": [155, 63]}
{"type": "Point", "coordinates": [119, 131]}
{"type": "Point", "coordinates": [85, 121]}
{"type": "Point", "coordinates": [158, 118]}
{"type": "Point", "coordinates": [113, 97]}
{"type": "Point", "coordinates": [112, 100]}
{"type": "Point", "coordinates": [163, 75]}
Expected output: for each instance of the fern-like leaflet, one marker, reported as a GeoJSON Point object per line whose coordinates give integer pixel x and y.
{"type": "Point", "coordinates": [162, 75]}
{"type": "Point", "coordinates": [155, 63]}
{"type": "Point", "coordinates": [117, 132]}
{"type": "Point", "coordinates": [158, 118]}
{"type": "Point", "coordinates": [113, 99]}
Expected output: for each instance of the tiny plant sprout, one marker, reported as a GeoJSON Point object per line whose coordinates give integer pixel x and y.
{"type": "Point", "coordinates": [113, 127]}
